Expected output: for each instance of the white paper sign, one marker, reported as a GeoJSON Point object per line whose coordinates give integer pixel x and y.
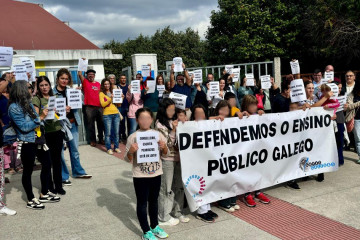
{"type": "Point", "coordinates": [297, 90]}
{"type": "Point", "coordinates": [214, 88]}
{"type": "Point", "coordinates": [265, 82]}
{"type": "Point", "coordinates": [117, 96]}
{"type": "Point", "coordinates": [145, 71]}
{"type": "Point", "coordinates": [324, 81]}
{"type": "Point", "coordinates": [83, 65]}
{"type": "Point", "coordinates": [74, 98]}
{"type": "Point", "coordinates": [229, 69]}
{"type": "Point", "coordinates": [295, 67]}
{"type": "Point", "coordinates": [250, 80]}
{"type": "Point", "coordinates": [329, 76]}
{"type": "Point", "coordinates": [179, 99]}
{"type": "Point", "coordinates": [342, 101]}
{"type": "Point", "coordinates": [60, 106]}
{"type": "Point", "coordinates": [191, 74]}
{"type": "Point", "coordinates": [51, 108]}
{"type": "Point", "coordinates": [161, 89]}
{"type": "Point", "coordinates": [178, 64]}
{"type": "Point", "coordinates": [20, 72]}
{"type": "Point", "coordinates": [151, 84]}
{"type": "Point", "coordinates": [135, 86]}
{"type": "Point", "coordinates": [6, 56]}
{"type": "Point", "coordinates": [236, 72]}
{"type": "Point", "coordinates": [30, 65]}
{"type": "Point", "coordinates": [334, 89]}
{"type": "Point", "coordinates": [148, 146]}
{"type": "Point", "coordinates": [198, 76]}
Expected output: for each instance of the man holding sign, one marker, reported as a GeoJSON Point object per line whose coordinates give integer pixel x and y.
{"type": "Point", "coordinates": [61, 90]}
{"type": "Point", "coordinates": [93, 110]}
{"type": "Point", "coordinates": [182, 87]}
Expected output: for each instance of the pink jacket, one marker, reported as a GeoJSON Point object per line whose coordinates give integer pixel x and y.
{"type": "Point", "coordinates": [135, 103]}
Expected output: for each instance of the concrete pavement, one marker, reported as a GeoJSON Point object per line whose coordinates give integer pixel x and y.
{"type": "Point", "coordinates": [104, 206]}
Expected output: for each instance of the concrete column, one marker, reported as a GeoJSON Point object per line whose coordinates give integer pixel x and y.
{"type": "Point", "coordinates": [144, 59]}
{"type": "Point", "coordinates": [277, 71]}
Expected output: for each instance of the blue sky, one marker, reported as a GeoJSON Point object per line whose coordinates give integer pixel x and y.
{"type": "Point", "coordinates": [104, 20]}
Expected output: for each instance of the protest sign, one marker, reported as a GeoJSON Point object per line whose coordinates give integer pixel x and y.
{"type": "Point", "coordinates": [117, 96]}
{"type": "Point", "coordinates": [236, 72]}
{"type": "Point", "coordinates": [342, 101]}
{"type": "Point", "coordinates": [161, 89]}
{"type": "Point", "coordinates": [135, 86]}
{"type": "Point", "coordinates": [229, 69]}
{"type": "Point", "coordinates": [151, 84]}
{"type": "Point", "coordinates": [334, 89]}
{"type": "Point", "coordinates": [30, 67]}
{"type": "Point", "coordinates": [74, 98]}
{"type": "Point", "coordinates": [178, 64]}
{"type": "Point", "coordinates": [20, 72]}
{"type": "Point", "coordinates": [214, 88]}
{"type": "Point", "coordinates": [145, 71]}
{"type": "Point", "coordinates": [329, 76]}
{"type": "Point", "coordinates": [148, 146]}
{"type": "Point", "coordinates": [297, 91]}
{"type": "Point", "coordinates": [179, 99]}
{"type": "Point", "coordinates": [295, 67]}
{"type": "Point", "coordinates": [250, 80]}
{"type": "Point", "coordinates": [235, 157]}
{"type": "Point", "coordinates": [60, 106]}
{"type": "Point", "coordinates": [51, 108]}
{"type": "Point", "coordinates": [265, 82]}
{"type": "Point", "coordinates": [198, 76]}
{"type": "Point", "coordinates": [6, 56]}
{"type": "Point", "coordinates": [83, 65]}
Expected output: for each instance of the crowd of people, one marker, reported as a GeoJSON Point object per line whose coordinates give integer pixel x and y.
{"type": "Point", "coordinates": [158, 185]}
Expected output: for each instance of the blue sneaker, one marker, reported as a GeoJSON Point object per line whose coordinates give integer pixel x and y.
{"type": "Point", "coordinates": [159, 232]}
{"type": "Point", "coordinates": [148, 236]}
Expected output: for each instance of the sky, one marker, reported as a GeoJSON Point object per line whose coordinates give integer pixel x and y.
{"type": "Point", "coordinates": [103, 20]}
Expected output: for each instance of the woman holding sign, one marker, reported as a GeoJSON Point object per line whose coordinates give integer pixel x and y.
{"type": "Point", "coordinates": [147, 171]}
{"type": "Point", "coordinates": [246, 88]}
{"type": "Point", "coordinates": [26, 123]}
{"type": "Point", "coordinates": [133, 96]}
{"type": "Point", "coordinates": [53, 134]}
{"type": "Point", "coordinates": [215, 97]}
{"type": "Point", "coordinates": [111, 115]}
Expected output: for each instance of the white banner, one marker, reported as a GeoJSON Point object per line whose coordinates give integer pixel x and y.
{"type": "Point", "coordinates": [222, 159]}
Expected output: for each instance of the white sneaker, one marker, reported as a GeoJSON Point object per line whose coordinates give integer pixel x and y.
{"type": "Point", "coordinates": [236, 207]}
{"type": "Point", "coordinates": [110, 152]}
{"type": "Point", "coordinates": [117, 150]}
{"type": "Point", "coordinates": [171, 222]}
{"type": "Point", "coordinates": [184, 219]}
{"type": "Point", "coordinates": [7, 211]}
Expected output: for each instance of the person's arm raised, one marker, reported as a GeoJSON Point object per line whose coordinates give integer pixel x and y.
{"type": "Point", "coordinates": [187, 76]}
{"type": "Point", "coordinates": [172, 77]}
{"type": "Point", "coordinates": [80, 75]}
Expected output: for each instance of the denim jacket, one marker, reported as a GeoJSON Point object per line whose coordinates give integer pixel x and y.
{"type": "Point", "coordinates": [25, 125]}
{"type": "Point", "coordinates": [74, 111]}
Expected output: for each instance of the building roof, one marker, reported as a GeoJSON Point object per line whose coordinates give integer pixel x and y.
{"type": "Point", "coordinates": [27, 26]}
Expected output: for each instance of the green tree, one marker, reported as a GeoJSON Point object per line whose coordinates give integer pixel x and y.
{"type": "Point", "coordinates": [252, 30]}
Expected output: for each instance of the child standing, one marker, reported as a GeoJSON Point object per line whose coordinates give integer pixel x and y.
{"type": "Point", "coordinates": [171, 198]}
{"type": "Point", "coordinates": [249, 104]}
{"type": "Point", "coordinates": [204, 212]}
{"type": "Point", "coordinates": [147, 178]}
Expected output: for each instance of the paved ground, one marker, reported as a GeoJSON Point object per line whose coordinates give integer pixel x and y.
{"type": "Point", "coordinates": [104, 207]}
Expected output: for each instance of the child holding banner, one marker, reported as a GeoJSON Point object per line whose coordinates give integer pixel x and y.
{"type": "Point", "coordinates": [249, 105]}
{"type": "Point", "coordinates": [204, 212]}
{"type": "Point", "coordinates": [171, 198]}
{"type": "Point", "coordinates": [147, 175]}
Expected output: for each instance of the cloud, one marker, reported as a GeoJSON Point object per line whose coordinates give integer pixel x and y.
{"type": "Point", "coordinates": [102, 21]}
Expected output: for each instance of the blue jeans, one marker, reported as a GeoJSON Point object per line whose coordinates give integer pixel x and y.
{"type": "Point", "coordinates": [111, 123]}
{"type": "Point", "coordinates": [132, 125]}
{"type": "Point", "coordinates": [356, 132]}
{"type": "Point", "coordinates": [73, 145]}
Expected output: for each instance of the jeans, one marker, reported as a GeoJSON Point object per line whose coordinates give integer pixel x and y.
{"type": "Point", "coordinates": [147, 193]}
{"type": "Point", "coordinates": [73, 145]}
{"type": "Point", "coordinates": [122, 132]}
{"type": "Point", "coordinates": [132, 125]}
{"type": "Point", "coordinates": [340, 142]}
{"type": "Point", "coordinates": [54, 140]}
{"type": "Point", "coordinates": [111, 122]}
{"type": "Point", "coordinates": [94, 114]}
{"type": "Point", "coordinates": [171, 198]}
{"type": "Point", "coordinates": [28, 152]}
{"type": "Point", "coordinates": [356, 132]}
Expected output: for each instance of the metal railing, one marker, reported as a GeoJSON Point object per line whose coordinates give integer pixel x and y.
{"type": "Point", "coordinates": [257, 68]}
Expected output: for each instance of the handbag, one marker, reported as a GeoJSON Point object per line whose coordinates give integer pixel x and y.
{"type": "Point", "coordinates": [9, 135]}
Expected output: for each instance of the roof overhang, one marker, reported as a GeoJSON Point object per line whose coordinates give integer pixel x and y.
{"type": "Point", "coordinates": [60, 55]}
